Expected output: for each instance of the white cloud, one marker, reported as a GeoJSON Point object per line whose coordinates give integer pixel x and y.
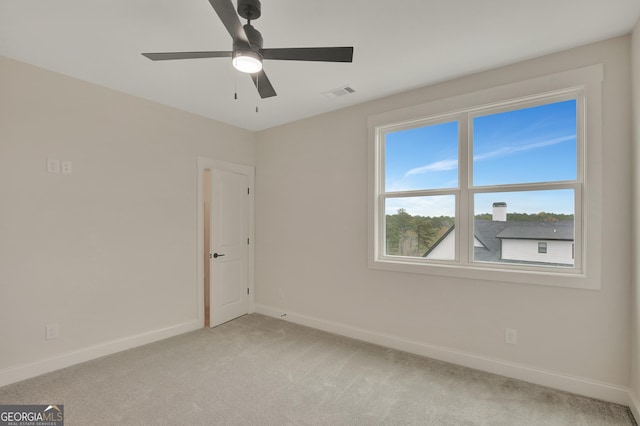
{"type": "Point", "coordinates": [507, 150]}
{"type": "Point", "coordinates": [444, 165]}
{"type": "Point", "coordinates": [438, 166]}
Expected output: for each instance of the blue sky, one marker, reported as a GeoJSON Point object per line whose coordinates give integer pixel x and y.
{"type": "Point", "coordinates": [529, 145]}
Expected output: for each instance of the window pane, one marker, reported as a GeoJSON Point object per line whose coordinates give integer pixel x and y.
{"type": "Point", "coordinates": [528, 227]}
{"type": "Point", "coordinates": [528, 145]}
{"type": "Point", "coordinates": [420, 227]}
{"type": "Point", "coordinates": [422, 158]}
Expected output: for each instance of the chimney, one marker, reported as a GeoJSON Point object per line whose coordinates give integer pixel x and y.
{"type": "Point", "coordinates": [499, 211]}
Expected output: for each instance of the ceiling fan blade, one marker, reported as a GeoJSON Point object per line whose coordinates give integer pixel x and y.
{"type": "Point", "coordinates": [263, 85]}
{"type": "Point", "coordinates": [325, 54]}
{"type": "Point", "coordinates": [227, 14]}
{"type": "Point", "coordinates": [164, 56]}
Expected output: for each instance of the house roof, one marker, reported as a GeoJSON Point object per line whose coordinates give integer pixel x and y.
{"type": "Point", "coordinates": [437, 243]}
{"type": "Point", "coordinates": [490, 233]}
{"type": "Point", "coordinates": [539, 231]}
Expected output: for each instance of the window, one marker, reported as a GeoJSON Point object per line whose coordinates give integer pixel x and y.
{"type": "Point", "coordinates": [495, 186]}
{"type": "Point", "coordinates": [516, 164]}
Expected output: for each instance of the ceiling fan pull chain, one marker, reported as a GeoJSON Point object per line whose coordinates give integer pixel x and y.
{"type": "Point", "coordinates": [235, 89]}
{"type": "Point", "coordinates": [257, 87]}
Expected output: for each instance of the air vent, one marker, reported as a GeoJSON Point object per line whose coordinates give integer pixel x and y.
{"type": "Point", "coordinates": [340, 91]}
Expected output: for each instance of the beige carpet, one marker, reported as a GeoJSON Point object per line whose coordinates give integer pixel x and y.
{"type": "Point", "coordinates": [258, 370]}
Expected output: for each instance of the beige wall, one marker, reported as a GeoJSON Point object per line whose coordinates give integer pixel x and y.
{"type": "Point", "coordinates": [109, 251]}
{"type": "Point", "coordinates": [635, 326]}
{"type": "Point", "coordinates": [312, 242]}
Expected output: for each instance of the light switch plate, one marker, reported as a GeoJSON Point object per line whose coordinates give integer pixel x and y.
{"type": "Point", "coordinates": [66, 167]}
{"type": "Point", "coordinates": [53, 165]}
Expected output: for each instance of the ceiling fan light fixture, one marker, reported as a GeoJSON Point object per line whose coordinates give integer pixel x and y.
{"type": "Point", "coordinates": [247, 61]}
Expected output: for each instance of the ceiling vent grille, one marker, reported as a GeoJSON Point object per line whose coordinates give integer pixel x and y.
{"type": "Point", "coordinates": [340, 91]}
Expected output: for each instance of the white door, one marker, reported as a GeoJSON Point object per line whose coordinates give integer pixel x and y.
{"type": "Point", "coordinates": [229, 246]}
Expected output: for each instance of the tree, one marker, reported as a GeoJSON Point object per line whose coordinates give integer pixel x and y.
{"type": "Point", "coordinates": [408, 235]}
{"type": "Point", "coordinates": [530, 217]}
{"type": "Point", "coordinates": [397, 227]}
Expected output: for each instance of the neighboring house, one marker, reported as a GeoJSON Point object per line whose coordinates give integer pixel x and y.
{"type": "Point", "coordinates": [445, 247]}
{"type": "Point", "coordinates": [502, 240]}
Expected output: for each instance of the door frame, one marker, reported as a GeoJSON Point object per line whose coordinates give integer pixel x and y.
{"type": "Point", "coordinates": [203, 164]}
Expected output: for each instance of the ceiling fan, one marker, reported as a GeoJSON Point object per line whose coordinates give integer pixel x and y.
{"type": "Point", "coordinates": [248, 53]}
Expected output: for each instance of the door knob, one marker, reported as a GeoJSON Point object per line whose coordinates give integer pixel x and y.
{"type": "Point", "coordinates": [216, 255]}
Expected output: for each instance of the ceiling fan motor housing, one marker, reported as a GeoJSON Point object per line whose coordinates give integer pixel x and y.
{"type": "Point", "coordinates": [254, 36]}
{"type": "Point", "coordinates": [251, 54]}
{"type": "Point", "coordinates": [249, 9]}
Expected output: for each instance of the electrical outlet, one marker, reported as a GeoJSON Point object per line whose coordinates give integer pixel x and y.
{"type": "Point", "coordinates": [511, 336]}
{"type": "Point", "coordinates": [52, 331]}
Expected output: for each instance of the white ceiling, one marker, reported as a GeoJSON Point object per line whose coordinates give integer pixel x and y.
{"type": "Point", "coordinates": [399, 45]}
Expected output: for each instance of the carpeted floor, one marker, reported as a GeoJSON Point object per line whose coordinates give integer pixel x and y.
{"type": "Point", "coordinates": [258, 370]}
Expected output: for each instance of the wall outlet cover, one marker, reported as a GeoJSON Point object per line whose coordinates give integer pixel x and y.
{"type": "Point", "coordinates": [52, 331]}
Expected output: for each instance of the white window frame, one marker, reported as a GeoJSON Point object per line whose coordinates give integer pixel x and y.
{"type": "Point", "coordinates": [542, 247]}
{"type": "Point", "coordinates": [584, 84]}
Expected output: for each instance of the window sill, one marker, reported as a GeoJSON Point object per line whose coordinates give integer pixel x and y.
{"type": "Point", "coordinates": [553, 277]}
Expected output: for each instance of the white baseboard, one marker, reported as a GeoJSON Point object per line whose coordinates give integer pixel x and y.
{"type": "Point", "coordinates": [552, 379]}
{"type": "Point", "coordinates": [26, 371]}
